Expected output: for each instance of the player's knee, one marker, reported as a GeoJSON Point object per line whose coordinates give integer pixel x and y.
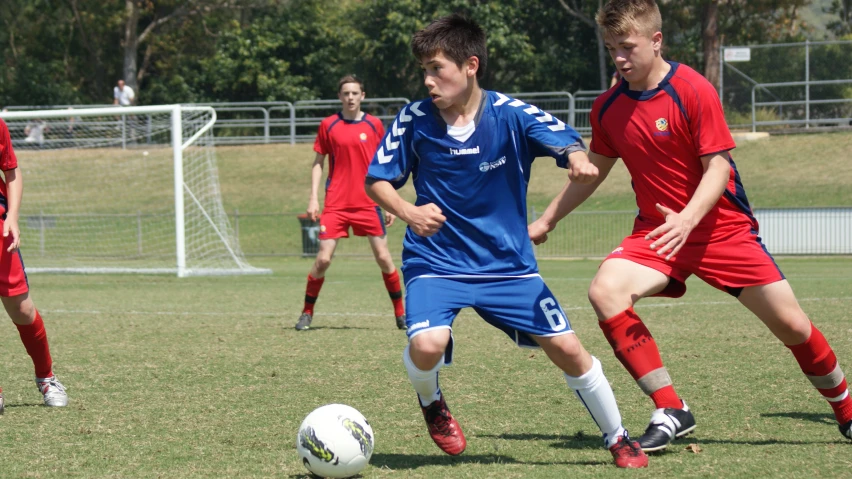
{"type": "Point", "coordinates": [385, 260]}
{"type": "Point", "coordinates": [21, 312]}
{"type": "Point", "coordinates": [601, 291]}
{"type": "Point", "coordinates": [427, 348]}
{"type": "Point", "coordinates": [322, 263]}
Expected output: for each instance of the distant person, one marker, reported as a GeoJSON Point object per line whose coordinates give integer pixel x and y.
{"type": "Point", "coordinates": [35, 131]}
{"type": "Point", "coordinates": [69, 130]}
{"type": "Point", "coordinates": [123, 95]}
{"type": "Point", "coordinates": [615, 77]}
{"type": "Point", "coordinates": [349, 138]}
{"type": "Point", "coordinates": [14, 289]}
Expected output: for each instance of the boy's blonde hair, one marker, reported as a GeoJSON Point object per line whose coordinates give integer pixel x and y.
{"type": "Point", "coordinates": [621, 17]}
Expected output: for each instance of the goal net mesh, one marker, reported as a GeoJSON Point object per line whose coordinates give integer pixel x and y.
{"type": "Point", "coordinates": [99, 193]}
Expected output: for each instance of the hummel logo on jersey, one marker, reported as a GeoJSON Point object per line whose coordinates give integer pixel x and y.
{"type": "Point", "coordinates": [486, 166]}
{"type": "Point", "coordinates": [420, 325]}
{"type": "Point", "coordinates": [464, 151]}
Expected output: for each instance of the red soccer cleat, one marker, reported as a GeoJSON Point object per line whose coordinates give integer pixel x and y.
{"type": "Point", "coordinates": [444, 429]}
{"type": "Point", "coordinates": [627, 453]}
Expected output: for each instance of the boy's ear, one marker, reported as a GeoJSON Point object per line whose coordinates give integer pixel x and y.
{"type": "Point", "coordinates": [472, 66]}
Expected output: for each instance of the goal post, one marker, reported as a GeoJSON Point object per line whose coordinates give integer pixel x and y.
{"type": "Point", "coordinates": [123, 190]}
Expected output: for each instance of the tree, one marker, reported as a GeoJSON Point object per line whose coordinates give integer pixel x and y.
{"type": "Point", "coordinates": [843, 10]}
{"type": "Point", "coordinates": [576, 10]}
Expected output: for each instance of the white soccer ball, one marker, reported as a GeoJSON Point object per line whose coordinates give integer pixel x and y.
{"type": "Point", "coordinates": [144, 153]}
{"type": "Point", "coordinates": [335, 440]}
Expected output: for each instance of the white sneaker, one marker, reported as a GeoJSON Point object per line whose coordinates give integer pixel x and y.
{"type": "Point", "coordinates": [2, 403]}
{"type": "Point", "coordinates": [53, 391]}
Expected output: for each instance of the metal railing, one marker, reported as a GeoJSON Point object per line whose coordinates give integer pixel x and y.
{"type": "Point", "coordinates": [807, 102]}
{"type": "Point", "coordinates": [785, 231]}
{"type": "Point", "coordinates": [282, 121]}
{"type": "Point", "coordinates": [583, 100]}
{"type": "Point", "coordinates": [558, 103]}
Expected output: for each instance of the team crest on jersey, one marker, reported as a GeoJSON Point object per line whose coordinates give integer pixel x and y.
{"type": "Point", "coordinates": [662, 124]}
{"type": "Point", "coordinates": [363, 137]}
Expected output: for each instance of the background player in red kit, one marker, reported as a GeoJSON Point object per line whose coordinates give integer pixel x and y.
{"type": "Point", "coordinates": [665, 121]}
{"type": "Point", "coordinates": [14, 290]}
{"type": "Point", "coordinates": [350, 139]}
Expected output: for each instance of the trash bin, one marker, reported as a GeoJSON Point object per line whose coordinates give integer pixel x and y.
{"type": "Point", "coordinates": [310, 235]}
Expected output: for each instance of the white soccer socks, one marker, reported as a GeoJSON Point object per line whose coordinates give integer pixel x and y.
{"type": "Point", "coordinates": [426, 382]}
{"type": "Point", "coordinates": [595, 393]}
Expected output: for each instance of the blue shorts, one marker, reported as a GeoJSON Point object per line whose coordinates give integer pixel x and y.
{"type": "Point", "coordinates": [520, 306]}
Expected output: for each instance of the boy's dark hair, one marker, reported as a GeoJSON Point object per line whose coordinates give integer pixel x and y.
{"type": "Point", "coordinates": [349, 79]}
{"type": "Point", "coordinates": [457, 37]}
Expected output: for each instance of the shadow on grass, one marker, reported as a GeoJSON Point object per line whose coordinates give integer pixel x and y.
{"type": "Point", "coordinates": [561, 441]}
{"type": "Point", "coordinates": [822, 418]}
{"type": "Point", "coordinates": [682, 443]}
{"type": "Point", "coordinates": [26, 404]}
{"type": "Point", "coordinates": [317, 328]}
{"type": "Point", "coordinates": [413, 461]}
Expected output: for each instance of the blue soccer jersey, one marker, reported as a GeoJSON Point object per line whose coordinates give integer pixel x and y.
{"type": "Point", "coordinates": [479, 184]}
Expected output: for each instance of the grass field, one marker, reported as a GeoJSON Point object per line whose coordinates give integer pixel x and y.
{"type": "Point", "coordinates": [205, 377]}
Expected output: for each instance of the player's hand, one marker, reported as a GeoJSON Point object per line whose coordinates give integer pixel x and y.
{"type": "Point", "coordinates": [313, 209]}
{"type": "Point", "coordinates": [10, 228]}
{"type": "Point", "coordinates": [538, 230]}
{"type": "Point", "coordinates": [671, 235]}
{"type": "Point", "coordinates": [389, 217]}
{"type": "Point", "coordinates": [426, 220]}
{"type": "Point", "coordinates": [582, 170]}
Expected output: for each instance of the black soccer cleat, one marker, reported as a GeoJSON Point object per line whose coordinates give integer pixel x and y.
{"type": "Point", "coordinates": [304, 322]}
{"type": "Point", "coordinates": [400, 322]}
{"type": "Point", "coordinates": [667, 425]}
{"type": "Point", "coordinates": [846, 430]}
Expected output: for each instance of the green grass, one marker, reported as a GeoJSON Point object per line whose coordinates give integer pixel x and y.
{"type": "Point", "coordinates": [205, 377]}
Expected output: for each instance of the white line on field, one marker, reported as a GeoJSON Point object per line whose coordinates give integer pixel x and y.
{"type": "Point", "coordinates": [379, 315]}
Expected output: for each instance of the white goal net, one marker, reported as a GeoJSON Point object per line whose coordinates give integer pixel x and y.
{"type": "Point", "coordinates": [125, 190]}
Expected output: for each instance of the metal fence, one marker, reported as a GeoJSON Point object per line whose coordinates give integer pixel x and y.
{"type": "Point", "coordinates": [262, 122]}
{"type": "Point", "coordinates": [789, 231]}
{"type": "Point", "coordinates": [786, 85]}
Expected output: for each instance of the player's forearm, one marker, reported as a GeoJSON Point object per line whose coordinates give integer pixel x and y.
{"type": "Point", "coordinates": [571, 196]}
{"type": "Point", "coordinates": [316, 178]}
{"type": "Point", "coordinates": [574, 194]}
{"type": "Point", "coordinates": [385, 195]}
{"type": "Point", "coordinates": [15, 191]}
{"type": "Point", "coordinates": [710, 189]}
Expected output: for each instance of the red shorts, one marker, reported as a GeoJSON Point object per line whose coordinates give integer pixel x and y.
{"type": "Point", "coordinates": [729, 260]}
{"type": "Point", "coordinates": [364, 222]}
{"type": "Point", "coordinates": [13, 279]}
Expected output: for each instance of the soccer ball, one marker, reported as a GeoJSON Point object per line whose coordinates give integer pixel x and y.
{"type": "Point", "coordinates": [335, 440]}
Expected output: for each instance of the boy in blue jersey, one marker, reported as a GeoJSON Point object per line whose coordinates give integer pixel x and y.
{"type": "Point", "coordinates": [470, 152]}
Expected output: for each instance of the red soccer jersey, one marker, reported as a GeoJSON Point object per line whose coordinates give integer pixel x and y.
{"type": "Point", "coordinates": [350, 146]}
{"type": "Point", "coordinates": [8, 161]}
{"type": "Point", "coordinates": [661, 135]}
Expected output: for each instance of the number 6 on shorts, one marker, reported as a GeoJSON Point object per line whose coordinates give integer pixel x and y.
{"type": "Point", "coordinates": [554, 316]}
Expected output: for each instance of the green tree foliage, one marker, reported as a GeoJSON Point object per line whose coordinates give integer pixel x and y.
{"type": "Point", "coordinates": [73, 51]}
